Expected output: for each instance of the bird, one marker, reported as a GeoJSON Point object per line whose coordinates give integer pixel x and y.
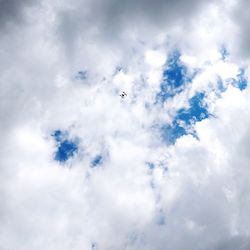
{"type": "Point", "coordinates": [123, 94]}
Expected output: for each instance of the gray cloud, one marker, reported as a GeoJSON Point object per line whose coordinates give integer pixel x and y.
{"type": "Point", "coordinates": [12, 12]}
{"type": "Point", "coordinates": [121, 23]}
{"type": "Point", "coordinates": [237, 242]}
{"type": "Point", "coordinates": [196, 197]}
{"type": "Point", "coordinates": [240, 15]}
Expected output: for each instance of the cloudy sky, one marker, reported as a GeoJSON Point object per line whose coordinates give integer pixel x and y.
{"type": "Point", "coordinates": [167, 167]}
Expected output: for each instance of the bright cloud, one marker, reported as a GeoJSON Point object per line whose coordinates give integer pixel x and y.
{"type": "Point", "coordinates": [165, 167]}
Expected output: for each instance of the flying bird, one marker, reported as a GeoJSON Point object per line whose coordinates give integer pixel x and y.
{"type": "Point", "coordinates": [123, 94]}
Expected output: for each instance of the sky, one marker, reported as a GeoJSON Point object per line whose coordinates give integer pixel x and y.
{"type": "Point", "coordinates": [164, 168]}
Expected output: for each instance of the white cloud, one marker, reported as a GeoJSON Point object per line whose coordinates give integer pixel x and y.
{"type": "Point", "coordinates": [195, 197]}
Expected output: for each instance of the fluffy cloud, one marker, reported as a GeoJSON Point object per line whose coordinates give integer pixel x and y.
{"type": "Point", "coordinates": [63, 67]}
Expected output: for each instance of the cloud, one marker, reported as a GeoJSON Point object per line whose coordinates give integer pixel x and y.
{"type": "Point", "coordinates": [241, 21]}
{"type": "Point", "coordinates": [12, 12]}
{"type": "Point", "coordinates": [121, 186]}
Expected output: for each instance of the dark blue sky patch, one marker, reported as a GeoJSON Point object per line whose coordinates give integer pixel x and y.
{"type": "Point", "coordinates": [175, 76]}
{"type": "Point", "coordinates": [65, 148]}
{"type": "Point", "coordinates": [98, 160]}
{"type": "Point", "coordinates": [175, 72]}
{"type": "Point", "coordinates": [185, 119]}
{"type": "Point", "coordinates": [240, 82]}
{"type": "Point", "coordinates": [81, 75]}
{"type": "Point", "coordinates": [196, 112]}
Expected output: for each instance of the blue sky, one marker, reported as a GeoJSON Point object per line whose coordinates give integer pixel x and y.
{"type": "Point", "coordinates": [97, 161]}
{"type": "Point", "coordinates": [165, 167]}
{"type": "Point", "coordinates": [175, 76]}
{"type": "Point", "coordinates": [65, 148]}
